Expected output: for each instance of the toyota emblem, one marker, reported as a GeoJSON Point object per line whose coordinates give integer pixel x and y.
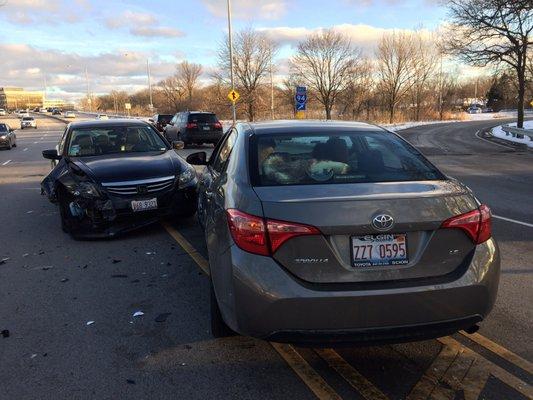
{"type": "Point", "coordinates": [382, 222]}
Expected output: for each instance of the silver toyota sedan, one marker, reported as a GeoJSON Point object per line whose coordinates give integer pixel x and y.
{"type": "Point", "coordinates": [335, 232]}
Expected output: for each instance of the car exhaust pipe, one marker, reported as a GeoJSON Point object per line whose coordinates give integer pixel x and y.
{"type": "Point", "coordinates": [472, 329]}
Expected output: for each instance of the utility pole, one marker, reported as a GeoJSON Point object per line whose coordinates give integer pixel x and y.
{"type": "Point", "coordinates": [149, 84]}
{"type": "Point", "coordinates": [271, 89]}
{"type": "Point", "coordinates": [230, 40]}
{"type": "Point", "coordinates": [440, 89]}
{"type": "Point", "coordinates": [88, 91]}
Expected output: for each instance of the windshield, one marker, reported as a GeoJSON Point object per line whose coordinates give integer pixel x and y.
{"type": "Point", "coordinates": [351, 157]}
{"type": "Point", "coordinates": [3, 128]}
{"type": "Point", "coordinates": [118, 139]}
{"type": "Point", "coordinates": [27, 119]}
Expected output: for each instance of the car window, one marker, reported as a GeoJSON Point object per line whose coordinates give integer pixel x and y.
{"type": "Point", "coordinates": [108, 140]}
{"type": "Point", "coordinates": [61, 146]}
{"type": "Point", "coordinates": [351, 157]}
{"type": "Point", "coordinates": [4, 128]}
{"type": "Point", "coordinates": [203, 118]}
{"type": "Point", "coordinates": [224, 152]}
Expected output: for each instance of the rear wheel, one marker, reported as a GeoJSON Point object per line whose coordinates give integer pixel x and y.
{"type": "Point", "coordinates": [219, 328]}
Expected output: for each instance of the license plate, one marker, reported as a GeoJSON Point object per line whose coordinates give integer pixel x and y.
{"type": "Point", "coordinates": [379, 250]}
{"type": "Point", "coordinates": [144, 205]}
{"type": "Point", "coordinates": [206, 128]}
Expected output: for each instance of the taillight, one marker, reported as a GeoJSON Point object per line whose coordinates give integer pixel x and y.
{"type": "Point", "coordinates": [192, 125]}
{"type": "Point", "coordinates": [217, 125]}
{"type": "Point", "coordinates": [476, 224]}
{"type": "Point", "coordinates": [263, 236]}
{"type": "Point", "coordinates": [248, 232]}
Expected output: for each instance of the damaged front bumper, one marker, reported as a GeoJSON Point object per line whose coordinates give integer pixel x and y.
{"type": "Point", "coordinates": [109, 215]}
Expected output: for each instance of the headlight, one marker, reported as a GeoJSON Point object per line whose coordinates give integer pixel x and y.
{"type": "Point", "coordinates": [86, 189]}
{"type": "Point", "coordinates": [3, 137]}
{"type": "Point", "coordinates": [187, 176]}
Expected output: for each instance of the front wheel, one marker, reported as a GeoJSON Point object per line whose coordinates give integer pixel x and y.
{"type": "Point", "coordinates": [219, 328]}
{"type": "Point", "coordinates": [69, 224]}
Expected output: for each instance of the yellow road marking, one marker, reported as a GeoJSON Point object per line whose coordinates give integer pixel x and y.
{"type": "Point", "coordinates": [500, 351]}
{"type": "Point", "coordinates": [309, 376]}
{"type": "Point", "coordinates": [184, 243]}
{"type": "Point", "coordinates": [312, 379]}
{"type": "Point", "coordinates": [351, 375]}
{"type": "Point", "coordinates": [487, 368]}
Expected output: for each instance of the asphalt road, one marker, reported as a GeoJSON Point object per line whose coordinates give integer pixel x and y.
{"type": "Point", "coordinates": [52, 286]}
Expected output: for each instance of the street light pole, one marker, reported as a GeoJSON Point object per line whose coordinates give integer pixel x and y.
{"type": "Point", "coordinates": [88, 91]}
{"type": "Point", "coordinates": [149, 84]}
{"type": "Point", "coordinates": [230, 40]}
{"type": "Point", "coordinates": [271, 89]}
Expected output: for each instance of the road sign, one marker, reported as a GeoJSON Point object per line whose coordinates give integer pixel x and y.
{"type": "Point", "coordinates": [127, 106]}
{"type": "Point", "coordinates": [233, 95]}
{"type": "Point", "coordinates": [300, 98]}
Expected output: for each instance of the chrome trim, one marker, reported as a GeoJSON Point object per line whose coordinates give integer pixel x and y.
{"type": "Point", "coordinates": [139, 182]}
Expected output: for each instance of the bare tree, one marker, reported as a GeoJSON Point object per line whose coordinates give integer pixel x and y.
{"type": "Point", "coordinates": [355, 98]}
{"type": "Point", "coordinates": [172, 92]}
{"type": "Point", "coordinates": [187, 77]}
{"type": "Point", "coordinates": [493, 32]}
{"type": "Point", "coordinates": [395, 58]}
{"type": "Point", "coordinates": [252, 55]}
{"type": "Point", "coordinates": [325, 62]}
{"type": "Point", "coordinates": [426, 55]}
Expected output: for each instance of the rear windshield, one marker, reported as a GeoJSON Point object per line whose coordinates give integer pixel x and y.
{"type": "Point", "coordinates": [165, 118]}
{"type": "Point", "coordinates": [27, 119]}
{"type": "Point", "coordinates": [351, 157]}
{"type": "Point", "coordinates": [203, 118]}
{"type": "Point", "coordinates": [3, 128]}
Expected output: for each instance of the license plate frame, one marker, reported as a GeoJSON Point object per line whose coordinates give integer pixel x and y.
{"type": "Point", "coordinates": [398, 257]}
{"type": "Point", "coordinates": [206, 128]}
{"type": "Point", "coordinates": [144, 205]}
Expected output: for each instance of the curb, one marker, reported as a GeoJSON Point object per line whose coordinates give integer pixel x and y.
{"type": "Point", "coordinates": [487, 135]}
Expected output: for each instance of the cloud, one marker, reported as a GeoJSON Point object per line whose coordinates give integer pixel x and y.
{"type": "Point", "coordinates": [42, 12]}
{"type": "Point", "coordinates": [363, 36]}
{"type": "Point", "coordinates": [249, 9]}
{"type": "Point", "coordinates": [142, 24]}
{"type": "Point", "coordinates": [27, 66]}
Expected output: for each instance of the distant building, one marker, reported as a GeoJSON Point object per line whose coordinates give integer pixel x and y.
{"type": "Point", "coordinates": [53, 103]}
{"type": "Point", "coordinates": [12, 98]}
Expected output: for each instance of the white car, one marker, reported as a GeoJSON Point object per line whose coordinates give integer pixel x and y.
{"type": "Point", "coordinates": [70, 114]}
{"type": "Point", "coordinates": [28, 122]}
{"type": "Point", "coordinates": [42, 110]}
{"type": "Point", "coordinates": [23, 114]}
{"type": "Point", "coordinates": [2, 112]}
{"type": "Point", "coordinates": [102, 116]}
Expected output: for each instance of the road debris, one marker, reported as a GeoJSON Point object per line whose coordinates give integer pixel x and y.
{"type": "Point", "coordinates": [4, 260]}
{"type": "Point", "coordinates": [29, 212]}
{"type": "Point", "coordinates": [89, 323]}
{"type": "Point", "coordinates": [47, 267]}
{"type": "Point", "coordinates": [64, 280]}
{"type": "Point", "coordinates": [116, 261]}
{"type": "Point", "coordinates": [5, 333]}
{"type": "Point", "coordinates": [162, 317]}
{"type": "Point", "coordinates": [33, 355]}
{"type": "Point", "coordinates": [138, 313]}
{"type": "Point", "coordinates": [25, 254]}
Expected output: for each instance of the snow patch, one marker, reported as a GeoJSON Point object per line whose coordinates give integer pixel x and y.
{"type": "Point", "coordinates": [501, 134]}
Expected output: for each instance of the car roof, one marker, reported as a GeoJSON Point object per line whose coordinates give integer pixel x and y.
{"type": "Point", "coordinates": [107, 123]}
{"type": "Point", "coordinates": [310, 126]}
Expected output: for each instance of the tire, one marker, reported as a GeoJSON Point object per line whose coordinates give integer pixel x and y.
{"type": "Point", "coordinates": [15, 143]}
{"type": "Point", "coordinates": [219, 328]}
{"type": "Point", "coordinates": [9, 146]}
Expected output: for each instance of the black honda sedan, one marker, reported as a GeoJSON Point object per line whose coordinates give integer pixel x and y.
{"type": "Point", "coordinates": [117, 175]}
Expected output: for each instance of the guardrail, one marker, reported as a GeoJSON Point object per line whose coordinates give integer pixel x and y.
{"type": "Point", "coordinates": [518, 133]}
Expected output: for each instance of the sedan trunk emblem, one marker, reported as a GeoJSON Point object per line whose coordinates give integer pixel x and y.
{"type": "Point", "coordinates": [382, 222]}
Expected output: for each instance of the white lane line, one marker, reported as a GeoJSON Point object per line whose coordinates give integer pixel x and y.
{"type": "Point", "coordinates": [25, 149]}
{"type": "Point", "coordinates": [513, 221]}
{"type": "Point", "coordinates": [35, 142]}
{"type": "Point", "coordinates": [7, 162]}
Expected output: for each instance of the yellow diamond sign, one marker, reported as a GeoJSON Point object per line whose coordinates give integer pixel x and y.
{"type": "Point", "coordinates": [234, 95]}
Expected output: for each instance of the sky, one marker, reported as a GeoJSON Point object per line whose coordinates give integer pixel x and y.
{"type": "Point", "coordinates": [56, 41]}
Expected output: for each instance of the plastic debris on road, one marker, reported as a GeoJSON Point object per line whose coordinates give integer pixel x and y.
{"type": "Point", "coordinates": [116, 261]}
{"type": "Point", "coordinates": [4, 260]}
{"type": "Point", "coordinates": [138, 313]}
{"type": "Point", "coordinates": [5, 333]}
{"type": "Point", "coordinates": [162, 317]}
{"type": "Point", "coordinates": [89, 323]}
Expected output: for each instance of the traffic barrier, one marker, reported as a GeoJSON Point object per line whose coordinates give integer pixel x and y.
{"type": "Point", "coordinates": [518, 133]}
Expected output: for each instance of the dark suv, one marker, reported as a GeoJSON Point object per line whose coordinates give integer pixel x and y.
{"type": "Point", "coordinates": [160, 121]}
{"type": "Point", "coordinates": [194, 127]}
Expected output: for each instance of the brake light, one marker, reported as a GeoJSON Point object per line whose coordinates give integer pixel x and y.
{"type": "Point", "coordinates": [217, 125]}
{"type": "Point", "coordinates": [263, 236]}
{"type": "Point", "coordinates": [476, 224]}
{"type": "Point", "coordinates": [248, 232]}
{"type": "Point", "coordinates": [192, 125]}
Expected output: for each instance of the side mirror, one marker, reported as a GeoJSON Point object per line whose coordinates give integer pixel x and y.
{"type": "Point", "coordinates": [51, 154]}
{"type": "Point", "coordinates": [199, 158]}
{"type": "Point", "coordinates": [178, 145]}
